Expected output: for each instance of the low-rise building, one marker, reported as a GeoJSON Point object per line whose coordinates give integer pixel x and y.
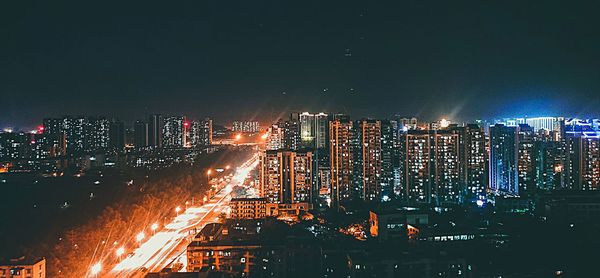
{"type": "Point", "coordinates": [23, 268]}
{"type": "Point", "coordinates": [254, 248]}
{"type": "Point", "coordinates": [248, 208]}
{"type": "Point", "coordinates": [396, 224]}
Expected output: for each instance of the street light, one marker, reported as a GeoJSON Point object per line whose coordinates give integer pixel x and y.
{"type": "Point", "coordinates": [177, 209]}
{"type": "Point", "coordinates": [227, 167]}
{"type": "Point", "coordinates": [154, 227]}
{"type": "Point", "coordinates": [208, 175]}
{"type": "Point", "coordinates": [140, 236]}
{"type": "Point", "coordinates": [120, 252]}
{"type": "Point", "coordinates": [96, 268]}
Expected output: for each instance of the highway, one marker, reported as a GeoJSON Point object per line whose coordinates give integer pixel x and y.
{"type": "Point", "coordinates": [159, 250]}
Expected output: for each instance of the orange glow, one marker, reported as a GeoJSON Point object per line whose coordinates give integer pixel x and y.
{"type": "Point", "coordinates": [264, 136]}
{"type": "Point", "coordinates": [558, 168]}
{"type": "Point", "coordinates": [140, 236]}
{"type": "Point", "coordinates": [209, 172]}
{"type": "Point", "coordinates": [120, 251]}
{"type": "Point", "coordinates": [227, 167]}
{"type": "Point", "coordinates": [96, 268]}
{"type": "Point", "coordinates": [238, 136]}
{"type": "Point", "coordinates": [158, 247]}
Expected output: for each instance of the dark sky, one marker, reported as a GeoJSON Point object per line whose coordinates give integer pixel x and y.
{"type": "Point", "coordinates": [244, 59]}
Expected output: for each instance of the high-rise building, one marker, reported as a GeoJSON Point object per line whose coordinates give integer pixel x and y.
{"type": "Point", "coordinates": [246, 126]}
{"type": "Point", "coordinates": [549, 164]}
{"type": "Point", "coordinates": [526, 159]}
{"type": "Point", "coordinates": [503, 169]}
{"type": "Point", "coordinates": [75, 129]}
{"type": "Point", "coordinates": [286, 177]}
{"type": "Point", "coordinates": [314, 135]}
{"type": "Point", "coordinates": [583, 160]}
{"type": "Point", "coordinates": [117, 135]}
{"type": "Point", "coordinates": [407, 123]}
{"type": "Point", "coordinates": [546, 123]}
{"type": "Point", "coordinates": [341, 133]}
{"type": "Point", "coordinates": [291, 134]}
{"type": "Point", "coordinates": [174, 132]}
{"type": "Point", "coordinates": [201, 133]}
{"type": "Point", "coordinates": [275, 139]}
{"type": "Point", "coordinates": [313, 130]}
{"type": "Point", "coordinates": [473, 161]}
{"type": "Point", "coordinates": [13, 146]}
{"type": "Point", "coordinates": [97, 134]}
{"type": "Point", "coordinates": [431, 166]}
{"type": "Point", "coordinates": [390, 158]}
{"type": "Point", "coordinates": [141, 134]}
{"type": "Point", "coordinates": [56, 138]}
{"type": "Point", "coordinates": [155, 130]}
{"type": "Point", "coordinates": [368, 174]}
{"type": "Point", "coordinates": [38, 146]}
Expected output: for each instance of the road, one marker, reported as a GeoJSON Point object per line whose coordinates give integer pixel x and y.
{"type": "Point", "coordinates": [166, 244]}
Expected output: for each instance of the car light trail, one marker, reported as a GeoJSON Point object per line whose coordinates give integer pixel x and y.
{"type": "Point", "coordinates": [154, 253]}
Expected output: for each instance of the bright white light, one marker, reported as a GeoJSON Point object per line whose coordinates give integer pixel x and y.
{"type": "Point", "coordinates": [96, 268]}
{"type": "Point", "coordinates": [154, 226]}
{"type": "Point", "coordinates": [479, 203]}
{"type": "Point", "coordinates": [120, 251]}
{"type": "Point", "coordinates": [140, 236]}
{"type": "Point", "coordinates": [444, 123]}
{"type": "Point", "coordinates": [177, 209]}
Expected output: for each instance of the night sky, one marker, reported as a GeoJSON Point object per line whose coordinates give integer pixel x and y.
{"type": "Point", "coordinates": [259, 59]}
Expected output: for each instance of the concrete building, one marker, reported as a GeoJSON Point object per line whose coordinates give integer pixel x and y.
{"type": "Point", "coordinates": [341, 155]}
{"type": "Point", "coordinates": [286, 176]}
{"type": "Point", "coordinates": [248, 208]}
{"type": "Point", "coordinates": [23, 268]}
{"type": "Point", "coordinates": [504, 175]}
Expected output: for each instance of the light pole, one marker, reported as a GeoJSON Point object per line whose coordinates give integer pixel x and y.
{"type": "Point", "coordinates": [154, 227]}
{"type": "Point", "coordinates": [238, 137]}
{"type": "Point", "coordinates": [177, 209]}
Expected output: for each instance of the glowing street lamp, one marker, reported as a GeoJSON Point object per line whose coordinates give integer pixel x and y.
{"type": "Point", "coordinates": [177, 209]}
{"type": "Point", "coordinates": [238, 137]}
{"type": "Point", "coordinates": [227, 167]}
{"type": "Point", "coordinates": [140, 236]}
{"type": "Point", "coordinates": [154, 227]}
{"type": "Point", "coordinates": [208, 175]}
{"type": "Point", "coordinates": [96, 268]}
{"type": "Point", "coordinates": [120, 252]}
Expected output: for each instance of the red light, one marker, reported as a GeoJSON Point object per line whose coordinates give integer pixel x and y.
{"type": "Point", "coordinates": [186, 124]}
{"type": "Point", "coordinates": [41, 128]}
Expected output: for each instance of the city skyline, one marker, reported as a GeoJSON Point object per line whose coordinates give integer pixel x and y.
{"type": "Point", "coordinates": [299, 139]}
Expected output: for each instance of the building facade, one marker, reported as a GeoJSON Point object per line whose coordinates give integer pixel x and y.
{"type": "Point", "coordinates": [286, 176]}
{"type": "Point", "coordinates": [504, 175]}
